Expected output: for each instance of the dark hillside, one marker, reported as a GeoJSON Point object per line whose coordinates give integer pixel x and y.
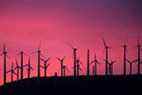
{"type": "Point", "coordinates": [114, 85]}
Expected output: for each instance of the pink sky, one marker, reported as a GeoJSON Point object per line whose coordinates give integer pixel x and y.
{"type": "Point", "coordinates": [26, 23]}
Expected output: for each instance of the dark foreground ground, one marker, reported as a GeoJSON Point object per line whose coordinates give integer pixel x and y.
{"type": "Point", "coordinates": [101, 85]}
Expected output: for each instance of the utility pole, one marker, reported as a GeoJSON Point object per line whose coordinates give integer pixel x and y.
{"type": "Point", "coordinates": [5, 62]}
{"type": "Point", "coordinates": [88, 63]}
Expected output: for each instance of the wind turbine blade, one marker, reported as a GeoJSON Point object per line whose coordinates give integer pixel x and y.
{"type": "Point", "coordinates": [104, 42]}
{"type": "Point", "coordinates": [92, 62]}
{"type": "Point", "coordinates": [58, 58]}
{"type": "Point", "coordinates": [48, 59]}
{"type": "Point", "coordinates": [129, 61]}
{"type": "Point", "coordinates": [26, 54]}
{"type": "Point", "coordinates": [42, 59]}
{"type": "Point", "coordinates": [48, 65]}
{"type": "Point", "coordinates": [14, 73]}
{"type": "Point", "coordinates": [71, 46]}
{"type": "Point", "coordinates": [42, 67]}
{"type": "Point", "coordinates": [134, 61]}
{"type": "Point", "coordinates": [67, 69]}
{"type": "Point", "coordinates": [8, 71]}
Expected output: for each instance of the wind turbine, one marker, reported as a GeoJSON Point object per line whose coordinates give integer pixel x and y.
{"type": "Point", "coordinates": [29, 68]}
{"type": "Point", "coordinates": [12, 71]}
{"type": "Point", "coordinates": [131, 65]}
{"type": "Point", "coordinates": [17, 68]}
{"type": "Point", "coordinates": [74, 58]}
{"type": "Point", "coordinates": [22, 53]}
{"type": "Point", "coordinates": [38, 63]}
{"type": "Point", "coordinates": [78, 67]}
{"type": "Point", "coordinates": [139, 57]}
{"type": "Point", "coordinates": [64, 70]}
{"type": "Point", "coordinates": [38, 52]}
{"type": "Point", "coordinates": [88, 62]}
{"type": "Point", "coordinates": [46, 65]}
{"type": "Point", "coordinates": [61, 60]}
{"type": "Point", "coordinates": [95, 62]}
{"type": "Point", "coordinates": [125, 59]}
{"type": "Point", "coordinates": [111, 67]}
{"type": "Point", "coordinates": [22, 64]}
{"type": "Point", "coordinates": [4, 63]}
{"type": "Point", "coordinates": [106, 56]}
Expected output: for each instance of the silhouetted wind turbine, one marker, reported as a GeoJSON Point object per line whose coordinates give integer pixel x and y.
{"type": "Point", "coordinates": [111, 67]}
{"type": "Point", "coordinates": [139, 57]}
{"type": "Point", "coordinates": [74, 58]}
{"type": "Point", "coordinates": [4, 63]}
{"type": "Point", "coordinates": [29, 68]}
{"type": "Point", "coordinates": [94, 70]}
{"type": "Point", "coordinates": [124, 59]}
{"type": "Point", "coordinates": [106, 56]}
{"type": "Point", "coordinates": [46, 65]}
{"type": "Point", "coordinates": [12, 71]}
{"type": "Point", "coordinates": [22, 64]}
{"type": "Point", "coordinates": [22, 53]}
{"type": "Point", "coordinates": [64, 70]}
{"type": "Point", "coordinates": [17, 68]}
{"type": "Point", "coordinates": [61, 60]}
{"type": "Point", "coordinates": [95, 62]}
{"type": "Point", "coordinates": [131, 65]}
{"type": "Point", "coordinates": [38, 64]}
{"type": "Point", "coordinates": [38, 52]}
{"type": "Point", "coordinates": [55, 74]}
{"type": "Point", "coordinates": [88, 62]}
{"type": "Point", "coordinates": [78, 67]}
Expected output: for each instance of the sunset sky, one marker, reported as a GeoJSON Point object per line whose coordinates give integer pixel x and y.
{"type": "Point", "coordinates": [24, 24]}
